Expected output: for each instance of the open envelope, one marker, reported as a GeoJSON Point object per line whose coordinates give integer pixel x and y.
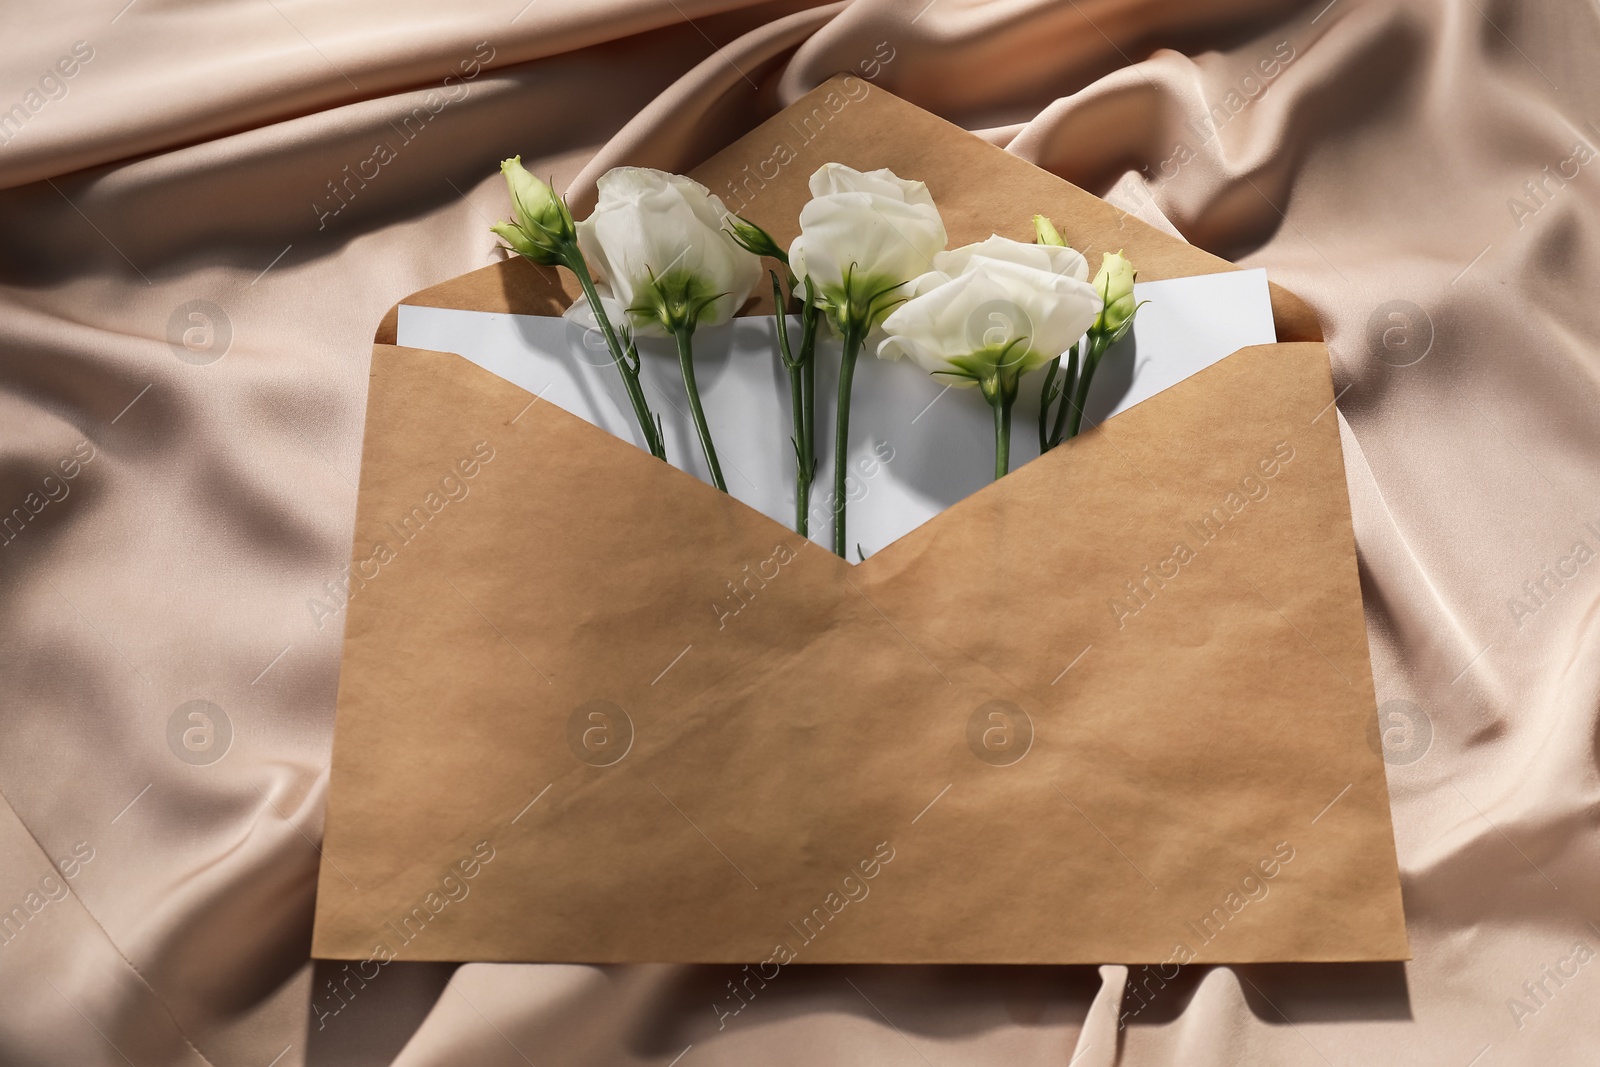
{"type": "Point", "coordinates": [1115, 707]}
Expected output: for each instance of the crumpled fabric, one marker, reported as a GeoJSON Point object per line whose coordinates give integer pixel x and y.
{"type": "Point", "coordinates": [208, 208]}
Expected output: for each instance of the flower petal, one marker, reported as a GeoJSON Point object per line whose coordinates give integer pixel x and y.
{"type": "Point", "coordinates": [880, 242]}
{"type": "Point", "coordinates": [833, 178]}
{"type": "Point", "coordinates": [1056, 259]}
{"type": "Point", "coordinates": [659, 240]}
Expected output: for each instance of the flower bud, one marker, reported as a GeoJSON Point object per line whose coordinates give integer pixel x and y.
{"type": "Point", "coordinates": [1114, 283]}
{"type": "Point", "coordinates": [544, 229]}
{"type": "Point", "coordinates": [1045, 232]}
{"type": "Point", "coordinates": [516, 240]}
{"type": "Point", "coordinates": [754, 239]}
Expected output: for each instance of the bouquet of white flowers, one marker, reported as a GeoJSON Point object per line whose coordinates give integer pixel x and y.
{"type": "Point", "coordinates": [661, 256]}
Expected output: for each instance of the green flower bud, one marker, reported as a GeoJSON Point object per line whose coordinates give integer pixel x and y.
{"type": "Point", "coordinates": [754, 239]}
{"type": "Point", "coordinates": [517, 241]}
{"type": "Point", "coordinates": [1045, 232]}
{"type": "Point", "coordinates": [544, 228]}
{"type": "Point", "coordinates": [1114, 283]}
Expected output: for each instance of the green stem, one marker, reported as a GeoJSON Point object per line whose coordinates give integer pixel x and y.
{"type": "Point", "coordinates": [1099, 343]}
{"type": "Point", "coordinates": [1091, 361]}
{"type": "Point", "coordinates": [1045, 397]}
{"type": "Point", "coordinates": [810, 316]}
{"type": "Point", "coordinates": [797, 438]}
{"type": "Point", "coordinates": [1068, 382]}
{"type": "Point", "coordinates": [684, 336]}
{"type": "Point", "coordinates": [800, 380]}
{"type": "Point", "coordinates": [1002, 434]}
{"type": "Point", "coordinates": [802, 458]}
{"type": "Point", "coordinates": [630, 375]}
{"type": "Point", "coordinates": [841, 433]}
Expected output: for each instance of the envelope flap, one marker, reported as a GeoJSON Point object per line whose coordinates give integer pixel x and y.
{"type": "Point", "coordinates": [980, 189]}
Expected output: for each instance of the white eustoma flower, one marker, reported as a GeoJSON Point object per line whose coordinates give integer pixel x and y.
{"type": "Point", "coordinates": [1057, 259]}
{"type": "Point", "coordinates": [659, 241]}
{"type": "Point", "coordinates": [992, 311]}
{"type": "Point", "coordinates": [989, 313]}
{"type": "Point", "coordinates": [863, 236]}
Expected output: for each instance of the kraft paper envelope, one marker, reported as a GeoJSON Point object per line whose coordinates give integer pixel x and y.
{"type": "Point", "coordinates": [1115, 707]}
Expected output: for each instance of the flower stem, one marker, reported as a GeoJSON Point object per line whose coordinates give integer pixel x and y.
{"type": "Point", "coordinates": [574, 262]}
{"type": "Point", "coordinates": [841, 432]}
{"type": "Point", "coordinates": [802, 451]}
{"type": "Point", "coordinates": [1045, 397]}
{"type": "Point", "coordinates": [810, 316]}
{"type": "Point", "coordinates": [685, 335]}
{"type": "Point", "coordinates": [1091, 360]}
{"type": "Point", "coordinates": [1068, 384]}
{"type": "Point", "coordinates": [1002, 434]}
{"type": "Point", "coordinates": [801, 381]}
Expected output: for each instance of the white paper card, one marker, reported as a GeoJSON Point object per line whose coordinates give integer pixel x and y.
{"type": "Point", "coordinates": [917, 446]}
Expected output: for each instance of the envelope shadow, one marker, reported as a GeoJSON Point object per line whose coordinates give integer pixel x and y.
{"type": "Point", "coordinates": [1112, 381]}
{"type": "Point", "coordinates": [582, 346]}
{"type": "Point", "coordinates": [1276, 993]}
{"type": "Point", "coordinates": [357, 1023]}
{"type": "Point", "coordinates": [699, 1003]}
{"type": "Point", "coordinates": [1281, 993]}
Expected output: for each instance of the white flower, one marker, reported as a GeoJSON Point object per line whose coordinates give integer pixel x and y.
{"type": "Point", "coordinates": [658, 240]}
{"type": "Point", "coordinates": [863, 236]}
{"type": "Point", "coordinates": [1057, 259]}
{"type": "Point", "coordinates": [991, 312]}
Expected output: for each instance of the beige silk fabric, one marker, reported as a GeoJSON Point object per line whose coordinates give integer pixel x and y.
{"type": "Point", "coordinates": [205, 221]}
